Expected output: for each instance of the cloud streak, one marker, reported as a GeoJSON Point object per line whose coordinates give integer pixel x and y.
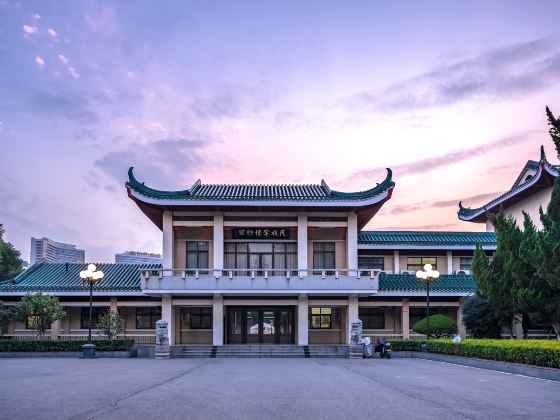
{"type": "Point", "coordinates": [427, 205]}
{"type": "Point", "coordinates": [498, 74]}
{"type": "Point", "coordinates": [435, 162]}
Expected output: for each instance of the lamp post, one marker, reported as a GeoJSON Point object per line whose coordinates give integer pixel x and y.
{"type": "Point", "coordinates": [427, 276]}
{"type": "Point", "coordinates": [91, 276]}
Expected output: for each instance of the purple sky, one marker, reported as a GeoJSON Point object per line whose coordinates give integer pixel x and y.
{"type": "Point", "coordinates": [451, 97]}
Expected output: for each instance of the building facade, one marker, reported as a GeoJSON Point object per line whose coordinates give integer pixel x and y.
{"type": "Point", "coordinates": [47, 250]}
{"type": "Point", "coordinates": [266, 264]}
{"type": "Point", "coordinates": [135, 257]}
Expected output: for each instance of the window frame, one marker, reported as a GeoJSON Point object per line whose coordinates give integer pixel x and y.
{"type": "Point", "coordinates": [367, 319]}
{"type": "Point", "coordinates": [154, 311]}
{"type": "Point", "coordinates": [84, 316]}
{"type": "Point", "coordinates": [200, 325]}
{"type": "Point", "coordinates": [197, 252]}
{"type": "Point", "coordinates": [326, 313]}
{"type": "Point", "coordinates": [462, 265]}
{"type": "Point", "coordinates": [319, 248]}
{"type": "Point", "coordinates": [423, 262]}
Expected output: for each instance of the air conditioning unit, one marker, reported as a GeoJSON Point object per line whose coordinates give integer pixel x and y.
{"type": "Point", "coordinates": [463, 272]}
{"type": "Point", "coordinates": [411, 272]}
{"type": "Point", "coordinates": [387, 272]}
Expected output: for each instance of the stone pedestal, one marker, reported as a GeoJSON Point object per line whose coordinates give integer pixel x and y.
{"type": "Point", "coordinates": [163, 350]}
{"type": "Point", "coordinates": [88, 351]}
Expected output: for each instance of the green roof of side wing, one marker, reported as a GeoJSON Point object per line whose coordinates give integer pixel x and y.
{"type": "Point", "coordinates": [246, 192]}
{"type": "Point", "coordinates": [61, 277]}
{"type": "Point", "coordinates": [426, 238]}
{"type": "Point", "coordinates": [409, 283]}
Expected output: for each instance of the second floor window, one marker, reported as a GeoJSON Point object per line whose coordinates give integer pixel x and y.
{"type": "Point", "coordinates": [197, 254]}
{"type": "Point", "coordinates": [465, 263]}
{"type": "Point", "coordinates": [370, 263]}
{"type": "Point", "coordinates": [323, 255]}
{"type": "Point", "coordinates": [417, 263]}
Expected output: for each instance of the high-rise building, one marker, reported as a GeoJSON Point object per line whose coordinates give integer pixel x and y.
{"type": "Point", "coordinates": [55, 252]}
{"type": "Point", "coordinates": [134, 257]}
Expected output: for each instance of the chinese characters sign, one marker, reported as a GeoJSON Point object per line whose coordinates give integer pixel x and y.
{"type": "Point", "coordinates": [270, 233]}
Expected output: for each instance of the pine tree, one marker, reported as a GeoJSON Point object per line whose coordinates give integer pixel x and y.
{"type": "Point", "coordinates": [554, 130]}
{"type": "Point", "coordinates": [10, 260]}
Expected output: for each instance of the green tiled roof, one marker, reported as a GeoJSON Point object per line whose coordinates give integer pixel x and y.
{"type": "Point", "coordinates": [426, 238]}
{"type": "Point", "coordinates": [61, 277]}
{"type": "Point", "coordinates": [409, 283]}
{"type": "Point", "coordinates": [466, 213]}
{"type": "Point", "coordinates": [280, 192]}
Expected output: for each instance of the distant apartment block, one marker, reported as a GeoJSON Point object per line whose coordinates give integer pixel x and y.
{"type": "Point", "coordinates": [133, 257]}
{"type": "Point", "coordinates": [55, 252]}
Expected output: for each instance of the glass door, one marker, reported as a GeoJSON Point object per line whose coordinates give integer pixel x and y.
{"type": "Point", "coordinates": [253, 327]}
{"type": "Point", "coordinates": [268, 326]}
{"type": "Point", "coordinates": [285, 318]}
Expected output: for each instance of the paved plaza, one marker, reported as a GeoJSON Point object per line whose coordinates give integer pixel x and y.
{"type": "Point", "coordinates": [46, 388]}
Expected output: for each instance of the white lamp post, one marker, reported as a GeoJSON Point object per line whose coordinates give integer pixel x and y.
{"type": "Point", "coordinates": [91, 276]}
{"type": "Point", "coordinates": [427, 276]}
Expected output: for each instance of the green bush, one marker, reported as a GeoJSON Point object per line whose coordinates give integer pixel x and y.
{"type": "Point", "coordinates": [529, 352]}
{"type": "Point", "coordinates": [62, 345]}
{"type": "Point", "coordinates": [440, 326]}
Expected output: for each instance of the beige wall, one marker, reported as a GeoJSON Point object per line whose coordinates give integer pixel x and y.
{"type": "Point", "coordinates": [530, 205]}
{"type": "Point", "coordinates": [182, 234]}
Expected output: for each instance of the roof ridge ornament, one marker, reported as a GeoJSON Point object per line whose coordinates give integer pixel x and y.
{"type": "Point", "coordinates": [325, 186]}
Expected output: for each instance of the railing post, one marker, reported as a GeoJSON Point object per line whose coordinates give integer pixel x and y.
{"type": "Point", "coordinates": [336, 274]}
{"type": "Point", "coordinates": [323, 274]}
{"type": "Point", "coordinates": [288, 274]}
{"type": "Point", "coordinates": [253, 274]}
{"type": "Point", "coordinates": [266, 274]}
{"type": "Point", "coordinates": [183, 274]}
{"type": "Point", "coordinates": [230, 273]}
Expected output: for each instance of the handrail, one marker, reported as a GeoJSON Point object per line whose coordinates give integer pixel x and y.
{"type": "Point", "coordinates": [260, 272]}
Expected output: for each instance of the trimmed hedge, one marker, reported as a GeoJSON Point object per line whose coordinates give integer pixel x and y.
{"type": "Point", "coordinates": [529, 352]}
{"type": "Point", "coordinates": [62, 345]}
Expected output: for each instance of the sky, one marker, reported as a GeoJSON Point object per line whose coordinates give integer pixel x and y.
{"type": "Point", "coordinates": [450, 95]}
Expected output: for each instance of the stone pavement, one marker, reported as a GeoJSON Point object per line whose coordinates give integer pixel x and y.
{"type": "Point", "coordinates": [266, 389]}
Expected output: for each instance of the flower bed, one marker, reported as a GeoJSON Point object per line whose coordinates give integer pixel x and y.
{"type": "Point", "coordinates": [529, 352]}
{"type": "Point", "coordinates": [62, 345]}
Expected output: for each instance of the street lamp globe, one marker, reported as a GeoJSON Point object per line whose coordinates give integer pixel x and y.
{"type": "Point", "coordinates": [92, 276]}
{"type": "Point", "coordinates": [427, 276]}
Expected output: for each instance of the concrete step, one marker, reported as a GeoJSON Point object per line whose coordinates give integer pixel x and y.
{"type": "Point", "coordinates": [260, 351]}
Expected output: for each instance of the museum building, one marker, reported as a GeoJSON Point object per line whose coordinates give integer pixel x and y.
{"type": "Point", "coordinates": [265, 264]}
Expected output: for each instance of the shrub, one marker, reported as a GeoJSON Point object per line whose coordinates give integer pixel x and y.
{"type": "Point", "coordinates": [530, 352]}
{"type": "Point", "coordinates": [63, 345]}
{"type": "Point", "coordinates": [6, 315]}
{"type": "Point", "coordinates": [110, 324]}
{"type": "Point", "coordinates": [440, 326]}
{"type": "Point", "coordinates": [39, 311]}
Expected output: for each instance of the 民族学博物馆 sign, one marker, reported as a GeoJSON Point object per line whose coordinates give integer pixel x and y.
{"type": "Point", "coordinates": [260, 233]}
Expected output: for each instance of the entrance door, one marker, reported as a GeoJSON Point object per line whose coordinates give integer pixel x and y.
{"type": "Point", "coordinates": [263, 325]}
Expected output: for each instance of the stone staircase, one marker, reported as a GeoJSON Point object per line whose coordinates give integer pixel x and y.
{"type": "Point", "coordinates": [259, 351]}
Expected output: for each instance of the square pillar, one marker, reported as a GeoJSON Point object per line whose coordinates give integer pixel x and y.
{"type": "Point", "coordinates": [302, 243]}
{"type": "Point", "coordinates": [218, 242]}
{"type": "Point", "coordinates": [396, 263]}
{"type": "Point", "coordinates": [167, 241]}
{"type": "Point", "coordinates": [353, 314]}
{"type": "Point", "coordinates": [352, 243]}
{"type": "Point", "coordinates": [55, 330]}
{"type": "Point", "coordinates": [303, 321]}
{"type": "Point", "coordinates": [405, 318]}
{"type": "Point", "coordinates": [113, 306]}
{"type": "Point", "coordinates": [218, 321]}
{"type": "Point", "coordinates": [449, 262]}
{"type": "Point", "coordinates": [461, 329]}
{"type": "Point", "coordinates": [167, 315]}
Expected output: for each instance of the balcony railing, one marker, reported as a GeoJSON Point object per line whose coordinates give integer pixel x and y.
{"type": "Point", "coordinates": [255, 280]}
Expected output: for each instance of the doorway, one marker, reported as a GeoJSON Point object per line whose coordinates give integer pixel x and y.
{"type": "Point", "coordinates": [260, 325]}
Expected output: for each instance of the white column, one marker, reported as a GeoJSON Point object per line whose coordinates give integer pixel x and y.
{"type": "Point", "coordinates": [449, 262]}
{"type": "Point", "coordinates": [303, 321]}
{"type": "Point", "coordinates": [396, 263]}
{"type": "Point", "coordinates": [405, 318]}
{"type": "Point", "coordinates": [353, 314]}
{"type": "Point", "coordinates": [461, 329]}
{"type": "Point", "coordinates": [55, 330]}
{"type": "Point", "coordinates": [302, 243]}
{"type": "Point", "coordinates": [218, 321]}
{"type": "Point", "coordinates": [218, 241]}
{"type": "Point", "coordinates": [167, 241]}
{"type": "Point", "coordinates": [114, 305]}
{"type": "Point", "coordinates": [352, 243]}
{"type": "Point", "coordinates": [167, 315]}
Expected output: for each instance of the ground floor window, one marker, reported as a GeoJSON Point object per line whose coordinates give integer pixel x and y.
{"type": "Point", "coordinates": [96, 312]}
{"type": "Point", "coordinates": [324, 318]}
{"type": "Point", "coordinates": [146, 318]}
{"type": "Point", "coordinates": [196, 318]}
{"type": "Point", "coordinates": [417, 263]}
{"type": "Point", "coordinates": [372, 318]}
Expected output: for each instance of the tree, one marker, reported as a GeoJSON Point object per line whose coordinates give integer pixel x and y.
{"type": "Point", "coordinates": [111, 324]}
{"type": "Point", "coordinates": [554, 130]}
{"type": "Point", "coordinates": [478, 317]}
{"type": "Point", "coordinates": [6, 316]}
{"type": "Point", "coordinates": [39, 311]}
{"type": "Point", "coordinates": [440, 326]}
{"type": "Point", "coordinates": [10, 258]}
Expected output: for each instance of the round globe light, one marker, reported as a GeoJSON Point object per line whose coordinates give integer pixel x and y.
{"type": "Point", "coordinates": [419, 274]}
{"type": "Point", "coordinates": [428, 267]}
{"type": "Point", "coordinates": [83, 274]}
{"type": "Point", "coordinates": [435, 274]}
{"type": "Point", "coordinates": [100, 274]}
{"type": "Point", "coordinates": [91, 267]}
